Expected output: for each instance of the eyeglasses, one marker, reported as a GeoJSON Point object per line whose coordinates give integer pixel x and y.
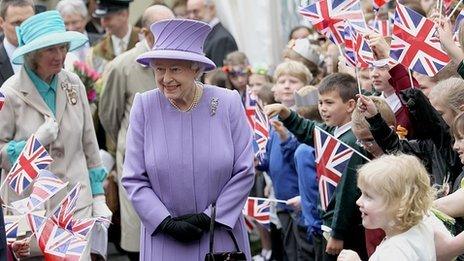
{"type": "Point", "coordinates": [366, 143]}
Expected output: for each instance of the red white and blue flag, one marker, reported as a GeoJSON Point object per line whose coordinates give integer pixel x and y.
{"type": "Point", "coordinates": [63, 215]}
{"type": "Point", "coordinates": [75, 249]}
{"type": "Point", "coordinates": [259, 123]}
{"type": "Point", "coordinates": [32, 159]}
{"type": "Point", "coordinates": [457, 24]}
{"type": "Point", "coordinates": [415, 44]}
{"type": "Point", "coordinates": [383, 27]}
{"type": "Point", "coordinates": [327, 17]}
{"type": "Point", "coordinates": [82, 227]}
{"type": "Point", "coordinates": [45, 187]}
{"type": "Point", "coordinates": [357, 51]}
{"type": "Point", "coordinates": [2, 100]}
{"type": "Point", "coordinates": [332, 158]}
{"type": "Point", "coordinates": [11, 230]}
{"type": "Point", "coordinates": [259, 210]}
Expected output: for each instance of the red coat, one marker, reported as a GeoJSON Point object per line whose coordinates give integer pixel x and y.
{"type": "Point", "coordinates": [400, 81]}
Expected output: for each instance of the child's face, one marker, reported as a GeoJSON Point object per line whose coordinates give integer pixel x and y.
{"type": "Point", "coordinates": [366, 141]}
{"type": "Point", "coordinates": [333, 110]}
{"type": "Point", "coordinates": [287, 85]}
{"type": "Point", "coordinates": [446, 112]}
{"type": "Point", "coordinates": [373, 212]}
{"type": "Point", "coordinates": [458, 146]}
{"type": "Point", "coordinates": [380, 77]}
{"type": "Point", "coordinates": [256, 82]}
{"type": "Point", "coordinates": [238, 76]}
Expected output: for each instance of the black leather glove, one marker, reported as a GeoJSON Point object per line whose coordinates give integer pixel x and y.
{"type": "Point", "coordinates": [200, 220]}
{"type": "Point", "coordinates": [180, 230]}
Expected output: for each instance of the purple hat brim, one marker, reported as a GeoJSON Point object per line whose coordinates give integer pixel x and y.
{"type": "Point", "coordinates": [176, 55]}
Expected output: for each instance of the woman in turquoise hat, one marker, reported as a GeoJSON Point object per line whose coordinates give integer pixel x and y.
{"type": "Point", "coordinates": [45, 100]}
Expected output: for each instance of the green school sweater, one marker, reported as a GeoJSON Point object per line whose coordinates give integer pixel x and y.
{"type": "Point", "coordinates": [342, 214]}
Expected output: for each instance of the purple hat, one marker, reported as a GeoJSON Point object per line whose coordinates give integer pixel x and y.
{"type": "Point", "coordinates": [179, 39]}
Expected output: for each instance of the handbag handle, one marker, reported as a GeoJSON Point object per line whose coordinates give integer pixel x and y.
{"type": "Point", "coordinates": [211, 231]}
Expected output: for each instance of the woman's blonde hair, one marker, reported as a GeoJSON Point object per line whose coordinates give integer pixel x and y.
{"type": "Point", "coordinates": [457, 128]}
{"type": "Point", "coordinates": [358, 120]}
{"type": "Point", "coordinates": [404, 184]}
{"type": "Point", "coordinates": [450, 92]}
{"type": "Point", "coordinates": [294, 69]}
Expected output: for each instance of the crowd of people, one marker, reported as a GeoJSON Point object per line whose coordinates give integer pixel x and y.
{"type": "Point", "coordinates": [152, 122]}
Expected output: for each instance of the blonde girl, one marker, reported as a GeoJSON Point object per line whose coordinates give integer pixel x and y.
{"type": "Point", "coordinates": [396, 197]}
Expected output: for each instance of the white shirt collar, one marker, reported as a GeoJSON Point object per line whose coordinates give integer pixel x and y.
{"type": "Point", "coordinates": [10, 48]}
{"type": "Point", "coordinates": [393, 101]}
{"type": "Point", "coordinates": [339, 130]}
{"type": "Point", "coordinates": [214, 22]}
{"type": "Point", "coordinates": [116, 42]}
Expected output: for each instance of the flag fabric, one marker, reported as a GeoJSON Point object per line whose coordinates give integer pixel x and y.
{"type": "Point", "coordinates": [11, 230]}
{"type": "Point", "coordinates": [383, 27]}
{"type": "Point", "coordinates": [357, 51]}
{"type": "Point", "coordinates": [259, 210]}
{"type": "Point", "coordinates": [2, 100]}
{"type": "Point", "coordinates": [457, 24]}
{"type": "Point", "coordinates": [259, 123]}
{"type": "Point", "coordinates": [45, 187]}
{"type": "Point", "coordinates": [82, 227]}
{"type": "Point", "coordinates": [31, 160]}
{"type": "Point", "coordinates": [75, 249]}
{"type": "Point", "coordinates": [249, 224]}
{"type": "Point", "coordinates": [415, 44]}
{"type": "Point", "coordinates": [332, 158]}
{"type": "Point", "coordinates": [35, 222]}
{"type": "Point", "coordinates": [327, 17]}
{"type": "Point", "coordinates": [63, 215]}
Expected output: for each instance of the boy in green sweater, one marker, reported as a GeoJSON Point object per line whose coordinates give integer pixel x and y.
{"type": "Point", "coordinates": [341, 218]}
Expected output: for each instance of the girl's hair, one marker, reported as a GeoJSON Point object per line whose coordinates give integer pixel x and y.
{"type": "Point", "coordinates": [457, 128]}
{"type": "Point", "coordinates": [295, 69]}
{"type": "Point", "coordinates": [450, 92]}
{"type": "Point", "coordinates": [266, 95]}
{"type": "Point", "coordinates": [294, 56]}
{"type": "Point", "coordinates": [236, 58]}
{"type": "Point", "coordinates": [402, 181]}
{"type": "Point", "coordinates": [358, 120]}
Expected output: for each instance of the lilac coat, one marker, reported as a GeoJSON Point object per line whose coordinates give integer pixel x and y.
{"type": "Point", "coordinates": [191, 159]}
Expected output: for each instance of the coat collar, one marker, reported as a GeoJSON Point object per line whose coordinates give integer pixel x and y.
{"type": "Point", "coordinates": [105, 49]}
{"type": "Point", "coordinates": [31, 96]}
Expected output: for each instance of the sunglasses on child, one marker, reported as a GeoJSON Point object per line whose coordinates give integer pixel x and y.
{"type": "Point", "coordinates": [237, 73]}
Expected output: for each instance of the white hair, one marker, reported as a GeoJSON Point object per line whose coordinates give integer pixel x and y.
{"type": "Point", "coordinates": [67, 7]}
{"type": "Point", "coordinates": [198, 66]}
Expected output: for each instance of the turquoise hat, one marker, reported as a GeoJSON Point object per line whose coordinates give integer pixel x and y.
{"type": "Point", "coordinates": [44, 30]}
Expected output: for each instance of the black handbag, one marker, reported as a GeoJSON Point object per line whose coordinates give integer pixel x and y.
{"type": "Point", "coordinates": [236, 255]}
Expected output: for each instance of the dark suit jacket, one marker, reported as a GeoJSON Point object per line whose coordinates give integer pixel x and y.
{"type": "Point", "coordinates": [218, 44]}
{"type": "Point", "coordinates": [6, 71]}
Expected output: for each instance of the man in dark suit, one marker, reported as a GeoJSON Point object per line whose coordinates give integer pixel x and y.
{"type": "Point", "coordinates": [12, 13]}
{"type": "Point", "coordinates": [219, 42]}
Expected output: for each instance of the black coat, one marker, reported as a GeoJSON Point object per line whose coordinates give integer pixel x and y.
{"type": "Point", "coordinates": [6, 71]}
{"type": "Point", "coordinates": [218, 44]}
{"type": "Point", "coordinates": [434, 141]}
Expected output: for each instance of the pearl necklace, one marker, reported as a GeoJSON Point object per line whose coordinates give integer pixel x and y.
{"type": "Point", "coordinates": [196, 98]}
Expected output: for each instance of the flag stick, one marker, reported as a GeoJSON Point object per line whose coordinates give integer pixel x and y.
{"type": "Point", "coordinates": [270, 199]}
{"type": "Point", "coordinates": [410, 78]}
{"type": "Point", "coordinates": [440, 9]}
{"type": "Point", "coordinates": [454, 9]}
{"type": "Point", "coordinates": [357, 79]}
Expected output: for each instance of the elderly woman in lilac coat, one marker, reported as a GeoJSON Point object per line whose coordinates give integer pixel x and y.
{"type": "Point", "coordinates": [188, 146]}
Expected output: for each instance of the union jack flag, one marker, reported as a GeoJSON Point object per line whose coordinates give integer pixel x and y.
{"type": "Point", "coordinates": [327, 16]}
{"type": "Point", "coordinates": [457, 24]}
{"type": "Point", "coordinates": [2, 100]}
{"type": "Point", "coordinates": [32, 159]}
{"type": "Point", "coordinates": [259, 123]}
{"type": "Point", "coordinates": [357, 50]}
{"type": "Point", "coordinates": [35, 222]}
{"type": "Point", "coordinates": [332, 158]}
{"type": "Point", "coordinates": [415, 44]}
{"type": "Point", "coordinates": [259, 210]}
{"type": "Point", "coordinates": [53, 240]}
{"type": "Point", "coordinates": [45, 187]}
{"type": "Point", "coordinates": [63, 215]}
{"type": "Point", "coordinates": [75, 249]}
{"type": "Point", "coordinates": [82, 227]}
{"type": "Point", "coordinates": [11, 230]}
{"type": "Point", "coordinates": [383, 27]}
